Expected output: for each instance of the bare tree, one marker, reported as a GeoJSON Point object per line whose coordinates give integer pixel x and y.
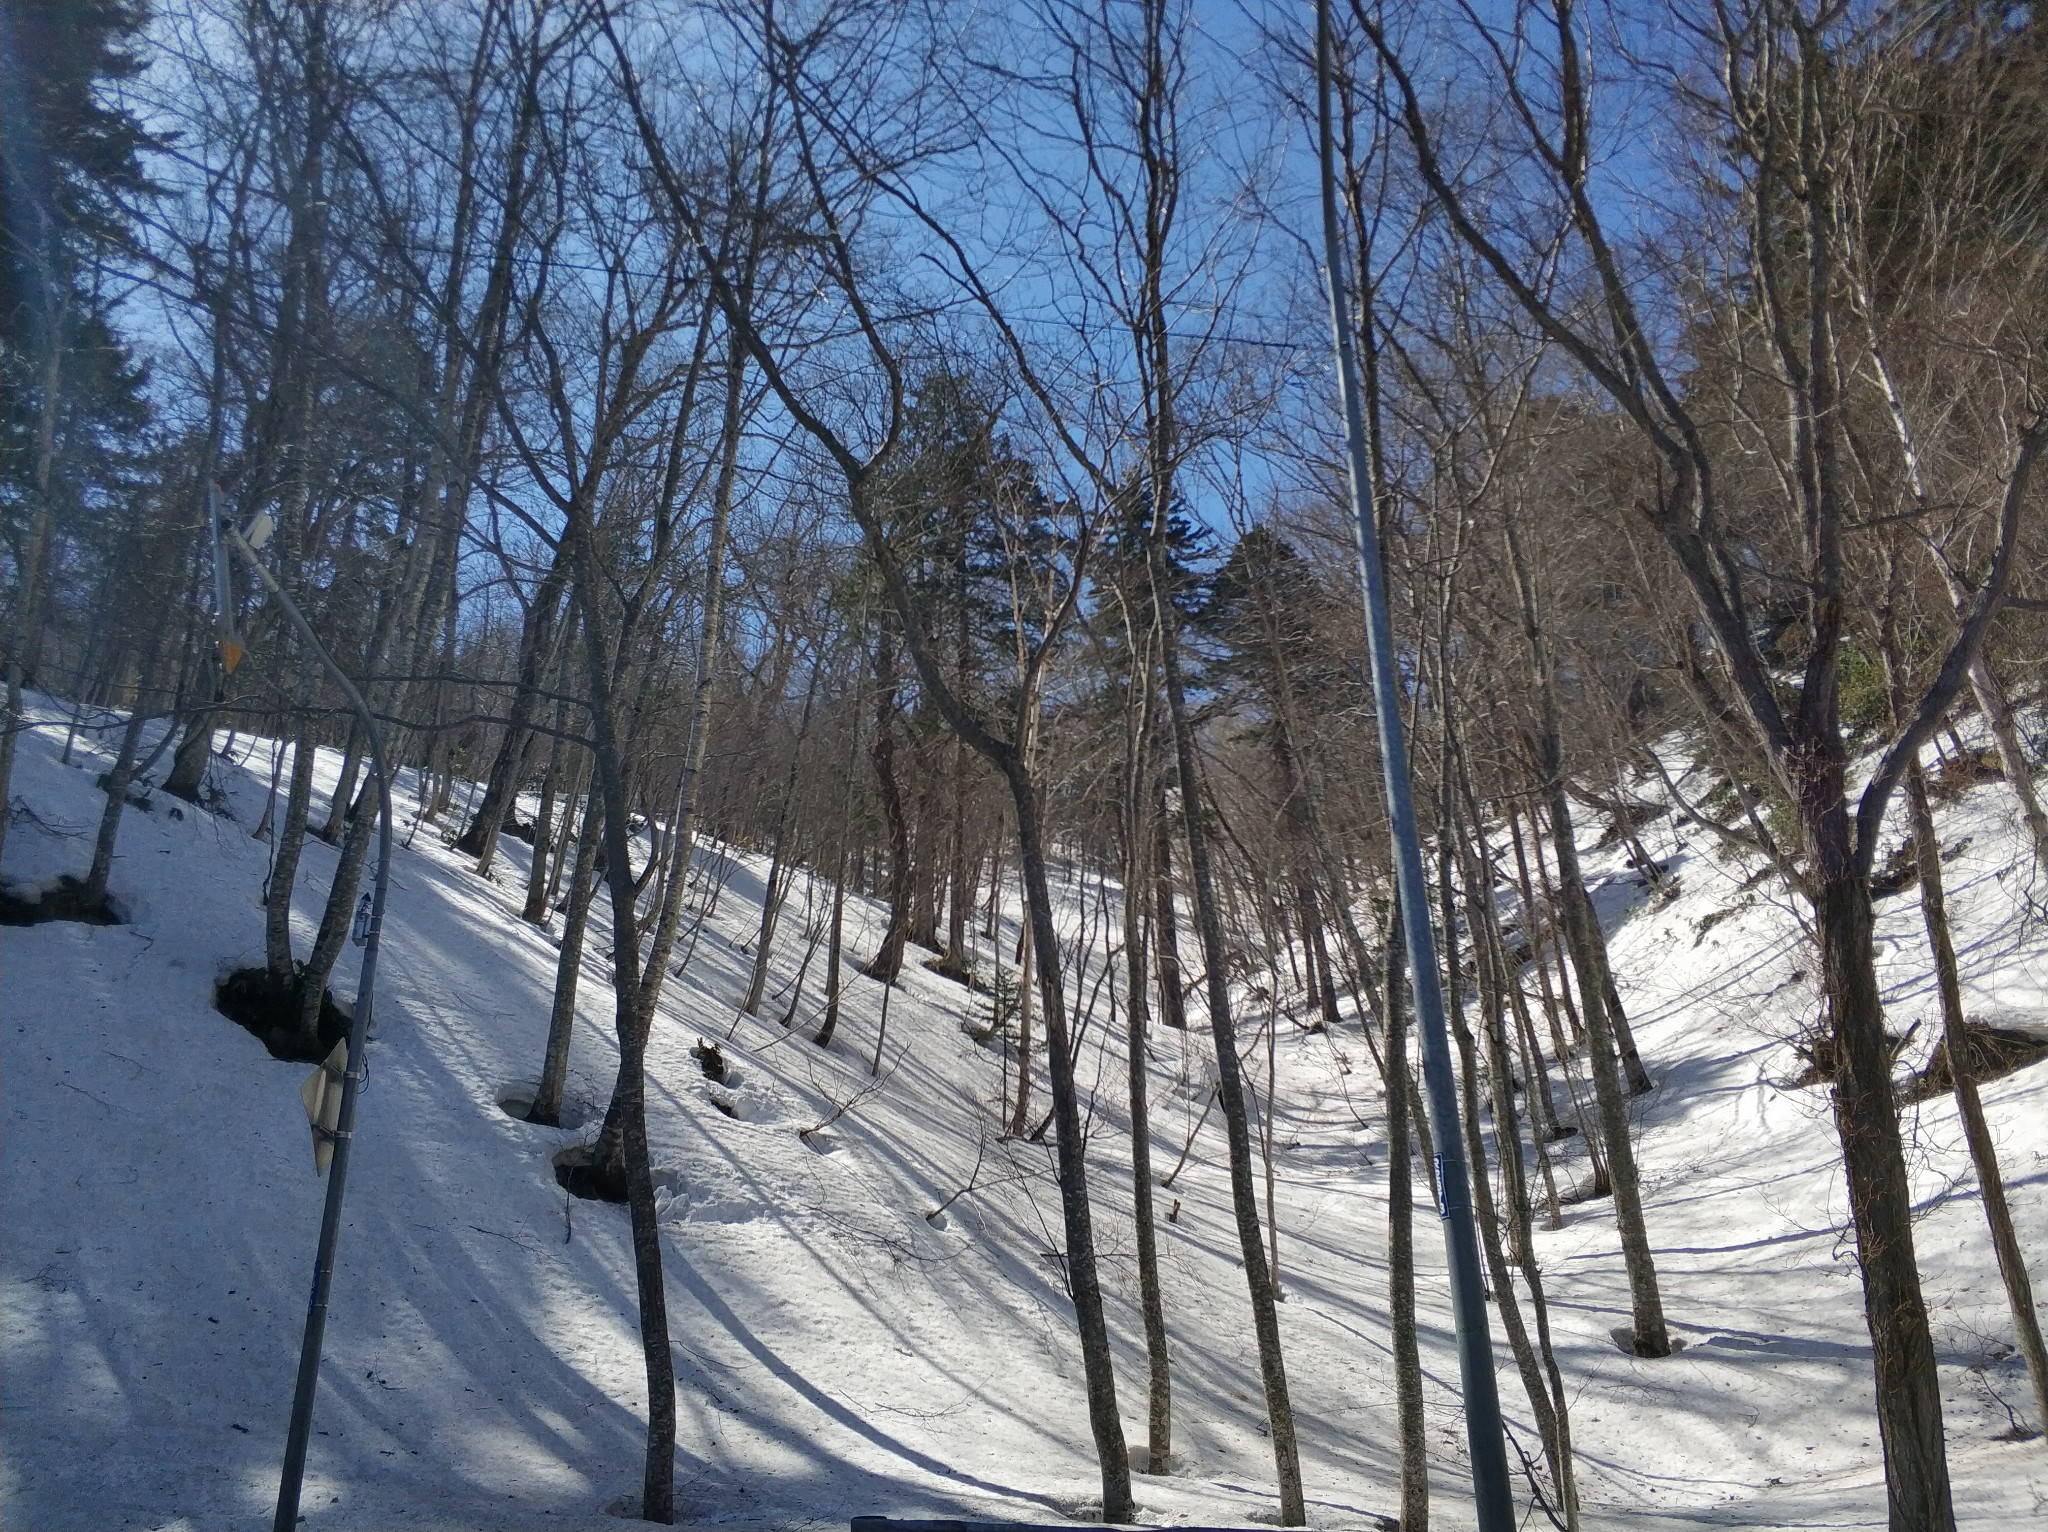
{"type": "Point", "coordinates": [1787, 119]}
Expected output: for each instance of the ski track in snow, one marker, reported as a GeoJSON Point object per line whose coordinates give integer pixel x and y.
{"type": "Point", "coordinates": [835, 1352]}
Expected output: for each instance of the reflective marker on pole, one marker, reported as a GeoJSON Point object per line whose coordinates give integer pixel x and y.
{"type": "Point", "coordinates": [1491, 1492]}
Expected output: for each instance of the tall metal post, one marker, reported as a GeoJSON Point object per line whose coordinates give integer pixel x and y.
{"type": "Point", "coordinates": [301, 1427]}
{"type": "Point", "coordinates": [1491, 1492]}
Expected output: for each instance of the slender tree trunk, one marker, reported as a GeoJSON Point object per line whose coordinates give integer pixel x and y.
{"type": "Point", "coordinates": [1319, 952]}
{"type": "Point", "coordinates": [339, 916]}
{"type": "Point", "coordinates": [629, 1097]}
{"type": "Point", "coordinates": [1020, 1120]}
{"type": "Point", "coordinates": [887, 962]}
{"type": "Point", "coordinates": [25, 627]}
{"type": "Point", "coordinates": [1996, 707]}
{"type": "Point", "coordinates": [289, 839]}
{"type": "Point", "coordinates": [1485, 1212]}
{"type": "Point", "coordinates": [1401, 1244]}
{"type": "Point", "coordinates": [960, 873]}
{"type": "Point", "coordinates": [544, 831]}
{"type": "Point", "coordinates": [1551, 944]}
{"type": "Point", "coordinates": [1151, 1299]}
{"type": "Point", "coordinates": [1137, 821]}
{"type": "Point", "coordinates": [1650, 1338]}
{"type": "Point", "coordinates": [1082, 1278]}
{"type": "Point", "coordinates": [579, 784]}
{"type": "Point", "coordinates": [1165, 918]}
{"type": "Point", "coordinates": [771, 902]}
{"type": "Point", "coordinates": [771, 916]}
{"type": "Point", "coordinates": [2012, 760]}
{"type": "Point", "coordinates": [538, 642]}
{"type": "Point", "coordinates": [926, 864]}
{"type": "Point", "coordinates": [554, 1074]}
{"type": "Point", "coordinates": [1588, 944]}
{"type": "Point", "coordinates": [120, 779]}
{"type": "Point", "coordinates": [1230, 1085]}
{"type": "Point", "coordinates": [1557, 1439]}
{"type": "Point", "coordinates": [2012, 1266]}
{"type": "Point", "coordinates": [344, 789]}
{"type": "Point", "coordinates": [833, 950]}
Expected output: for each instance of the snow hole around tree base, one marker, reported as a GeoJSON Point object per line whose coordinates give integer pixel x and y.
{"type": "Point", "coordinates": [65, 899]}
{"type": "Point", "coordinates": [515, 1099]}
{"type": "Point", "coordinates": [578, 1173]}
{"type": "Point", "coordinates": [1624, 1338]}
{"type": "Point", "coordinates": [267, 1007]}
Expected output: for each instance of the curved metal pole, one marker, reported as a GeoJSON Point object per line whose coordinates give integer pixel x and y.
{"type": "Point", "coordinates": [1491, 1492]}
{"type": "Point", "coordinates": [358, 1034]}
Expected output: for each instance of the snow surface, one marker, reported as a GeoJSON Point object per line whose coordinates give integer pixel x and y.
{"type": "Point", "coordinates": [837, 1352]}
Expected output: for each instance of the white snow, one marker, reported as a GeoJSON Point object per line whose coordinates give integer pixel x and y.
{"type": "Point", "coordinates": [836, 1352]}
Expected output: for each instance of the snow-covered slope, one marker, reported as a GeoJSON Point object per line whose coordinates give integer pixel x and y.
{"type": "Point", "coordinates": [837, 1351]}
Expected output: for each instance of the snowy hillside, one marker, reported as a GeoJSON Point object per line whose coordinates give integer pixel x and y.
{"type": "Point", "coordinates": [838, 1350]}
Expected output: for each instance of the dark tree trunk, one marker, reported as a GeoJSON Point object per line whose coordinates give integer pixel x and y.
{"type": "Point", "coordinates": [120, 778]}
{"type": "Point", "coordinates": [629, 1102]}
{"type": "Point", "coordinates": [1485, 1214]}
{"type": "Point", "coordinates": [345, 788]}
{"type": "Point", "coordinates": [1082, 1279]}
{"type": "Point", "coordinates": [887, 962]}
{"type": "Point", "coordinates": [833, 950]}
{"type": "Point", "coordinates": [544, 831]}
{"type": "Point", "coordinates": [288, 842]}
{"type": "Point", "coordinates": [188, 765]}
{"type": "Point", "coordinates": [1230, 1084]}
{"type": "Point", "coordinates": [339, 916]}
{"type": "Point", "coordinates": [1401, 1244]}
{"type": "Point", "coordinates": [771, 902]}
{"type": "Point", "coordinates": [1136, 816]}
{"type": "Point", "coordinates": [1020, 1116]}
{"type": "Point", "coordinates": [960, 874]}
{"type": "Point", "coordinates": [1880, 1203]}
{"type": "Point", "coordinates": [1651, 1337]}
{"type": "Point", "coordinates": [537, 643]}
{"type": "Point", "coordinates": [1165, 918]}
{"type": "Point", "coordinates": [554, 1074]}
{"type": "Point", "coordinates": [927, 864]}
{"type": "Point", "coordinates": [2012, 1265]}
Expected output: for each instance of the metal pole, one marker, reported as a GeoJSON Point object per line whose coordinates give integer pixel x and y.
{"type": "Point", "coordinates": [358, 1041]}
{"type": "Point", "coordinates": [1491, 1493]}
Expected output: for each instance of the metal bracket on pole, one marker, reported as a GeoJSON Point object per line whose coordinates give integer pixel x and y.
{"type": "Point", "coordinates": [1492, 1494]}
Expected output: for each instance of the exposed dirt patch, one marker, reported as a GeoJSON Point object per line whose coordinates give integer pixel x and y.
{"type": "Point", "coordinates": [711, 1059]}
{"type": "Point", "coordinates": [1989, 1053]}
{"type": "Point", "coordinates": [1900, 872]}
{"type": "Point", "coordinates": [268, 1009]}
{"type": "Point", "coordinates": [1818, 1052]}
{"type": "Point", "coordinates": [63, 900]}
{"type": "Point", "coordinates": [1959, 773]}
